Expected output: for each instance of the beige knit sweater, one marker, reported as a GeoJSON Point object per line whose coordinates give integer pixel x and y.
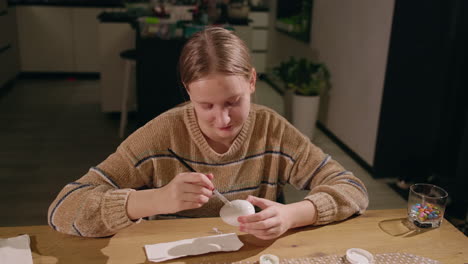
{"type": "Point", "coordinates": [268, 153]}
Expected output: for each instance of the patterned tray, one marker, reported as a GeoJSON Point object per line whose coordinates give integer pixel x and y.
{"type": "Point", "coordinates": [387, 258]}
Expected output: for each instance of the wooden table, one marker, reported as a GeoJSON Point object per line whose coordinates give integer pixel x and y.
{"type": "Point", "coordinates": [378, 231]}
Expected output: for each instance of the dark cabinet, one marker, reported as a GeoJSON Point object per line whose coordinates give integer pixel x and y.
{"type": "Point", "coordinates": [158, 85]}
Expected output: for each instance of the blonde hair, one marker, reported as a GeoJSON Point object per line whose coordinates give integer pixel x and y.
{"type": "Point", "coordinates": [214, 50]}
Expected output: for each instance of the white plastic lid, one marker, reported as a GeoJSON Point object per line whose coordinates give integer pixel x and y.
{"type": "Point", "coordinates": [269, 259]}
{"type": "Point", "coordinates": [359, 256]}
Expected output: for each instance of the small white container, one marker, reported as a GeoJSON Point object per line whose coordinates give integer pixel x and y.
{"type": "Point", "coordinates": [359, 256]}
{"type": "Point", "coordinates": [269, 259]}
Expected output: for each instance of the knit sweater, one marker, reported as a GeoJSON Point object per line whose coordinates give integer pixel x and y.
{"type": "Point", "coordinates": [268, 153]}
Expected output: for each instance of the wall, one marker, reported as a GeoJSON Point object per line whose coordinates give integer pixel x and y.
{"type": "Point", "coordinates": [352, 38]}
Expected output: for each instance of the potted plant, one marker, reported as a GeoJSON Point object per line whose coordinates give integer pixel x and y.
{"type": "Point", "coordinates": [304, 80]}
{"type": "Point", "coordinates": [285, 73]}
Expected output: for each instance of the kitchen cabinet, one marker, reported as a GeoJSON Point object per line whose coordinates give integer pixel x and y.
{"type": "Point", "coordinates": [259, 40]}
{"type": "Point", "coordinates": [113, 39]}
{"type": "Point", "coordinates": [3, 6]}
{"type": "Point", "coordinates": [45, 39]}
{"type": "Point", "coordinates": [255, 36]}
{"type": "Point", "coordinates": [85, 37]}
{"type": "Point", "coordinates": [260, 19]}
{"type": "Point", "coordinates": [4, 35]}
{"type": "Point", "coordinates": [244, 33]}
{"type": "Point", "coordinates": [8, 44]}
{"type": "Point", "coordinates": [259, 46]}
{"type": "Point", "coordinates": [58, 39]}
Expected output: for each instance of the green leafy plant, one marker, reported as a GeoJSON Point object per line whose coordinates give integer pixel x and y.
{"type": "Point", "coordinates": [303, 76]}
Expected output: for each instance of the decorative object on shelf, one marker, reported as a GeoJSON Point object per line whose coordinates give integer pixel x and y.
{"type": "Point", "coordinates": [158, 27]}
{"type": "Point", "coordinates": [238, 9]}
{"type": "Point", "coordinates": [304, 80]}
{"type": "Point", "coordinates": [256, 3]}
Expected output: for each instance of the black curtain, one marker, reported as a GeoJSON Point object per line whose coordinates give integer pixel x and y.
{"type": "Point", "coordinates": [451, 158]}
{"type": "Point", "coordinates": [423, 127]}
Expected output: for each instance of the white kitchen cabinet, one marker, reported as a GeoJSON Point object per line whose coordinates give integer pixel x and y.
{"type": "Point", "coordinates": [45, 39]}
{"type": "Point", "coordinates": [259, 61]}
{"type": "Point", "coordinates": [255, 36]}
{"type": "Point", "coordinates": [113, 39]}
{"type": "Point", "coordinates": [8, 44]}
{"type": "Point", "coordinates": [7, 72]}
{"type": "Point", "coordinates": [3, 6]}
{"type": "Point", "coordinates": [256, 41]}
{"type": "Point", "coordinates": [244, 33]}
{"type": "Point", "coordinates": [85, 38]}
{"type": "Point", "coordinates": [259, 46]}
{"type": "Point", "coordinates": [4, 37]}
{"type": "Point", "coordinates": [259, 40]}
{"type": "Point", "coordinates": [259, 19]}
{"type": "Point", "coordinates": [58, 39]}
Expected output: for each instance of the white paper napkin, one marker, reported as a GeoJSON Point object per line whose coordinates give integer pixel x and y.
{"type": "Point", "coordinates": [194, 246]}
{"type": "Point", "coordinates": [15, 250]}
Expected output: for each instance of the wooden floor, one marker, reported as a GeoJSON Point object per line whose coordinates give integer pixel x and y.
{"type": "Point", "coordinates": [52, 132]}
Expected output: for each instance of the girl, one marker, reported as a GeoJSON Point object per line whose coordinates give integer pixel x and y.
{"type": "Point", "coordinates": [245, 150]}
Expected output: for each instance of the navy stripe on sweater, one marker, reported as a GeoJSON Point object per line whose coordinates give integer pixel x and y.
{"type": "Point", "coordinates": [60, 202]}
{"type": "Point", "coordinates": [322, 164]}
{"type": "Point", "coordinates": [243, 189]}
{"type": "Point", "coordinates": [280, 153]}
{"type": "Point", "coordinates": [357, 184]}
{"type": "Point", "coordinates": [105, 176]}
{"type": "Point", "coordinates": [343, 173]}
{"type": "Point", "coordinates": [251, 188]}
{"type": "Point", "coordinates": [76, 229]}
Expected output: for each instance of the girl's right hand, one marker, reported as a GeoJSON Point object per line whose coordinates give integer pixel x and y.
{"type": "Point", "coordinates": [187, 190]}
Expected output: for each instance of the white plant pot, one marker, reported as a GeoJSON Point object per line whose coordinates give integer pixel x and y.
{"type": "Point", "coordinates": [304, 113]}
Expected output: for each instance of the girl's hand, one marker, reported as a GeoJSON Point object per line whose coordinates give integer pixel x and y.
{"type": "Point", "coordinates": [270, 223]}
{"type": "Point", "coordinates": [186, 191]}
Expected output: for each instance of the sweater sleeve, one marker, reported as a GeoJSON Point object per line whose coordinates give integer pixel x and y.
{"type": "Point", "coordinates": [95, 204]}
{"type": "Point", "coordinates": [336, 193]}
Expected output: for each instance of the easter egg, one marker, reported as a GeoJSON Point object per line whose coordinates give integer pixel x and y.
{"type": "Point", "coordinates": [230, 213]}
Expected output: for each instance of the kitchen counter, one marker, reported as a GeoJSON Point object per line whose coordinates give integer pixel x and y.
{"type": "Point", "coordinates": [112, 17]}
{"type": "Point", "coordinates": [117, 17]}
{"type": "Point", "coordinates": [69, 3]}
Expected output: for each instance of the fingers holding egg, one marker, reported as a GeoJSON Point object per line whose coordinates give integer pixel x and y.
{"type": "Point", "coordinates": [230, 212]}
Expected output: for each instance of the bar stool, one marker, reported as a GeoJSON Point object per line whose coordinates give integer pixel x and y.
{"type": "Point", "coordinates": [130, 57]}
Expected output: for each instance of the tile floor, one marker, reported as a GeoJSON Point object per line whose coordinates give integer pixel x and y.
{"type": "Point", "coordinates": [52, 131]}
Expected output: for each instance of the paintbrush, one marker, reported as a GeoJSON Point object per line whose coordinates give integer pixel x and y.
{"type": "Point", "coordinates": [219, 195]}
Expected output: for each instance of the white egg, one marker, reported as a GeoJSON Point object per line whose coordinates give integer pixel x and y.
{"type": "Point", "coordinates": [229, 213]}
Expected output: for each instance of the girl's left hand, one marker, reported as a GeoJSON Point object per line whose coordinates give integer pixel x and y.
{"type": "Point", "coordinates": [270, 223]}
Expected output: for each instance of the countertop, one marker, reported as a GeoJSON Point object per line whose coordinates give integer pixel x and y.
{"type": "Point", "coordinates": [69, 3]}
{"type": "Point", "coordinates": [118, 17]}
